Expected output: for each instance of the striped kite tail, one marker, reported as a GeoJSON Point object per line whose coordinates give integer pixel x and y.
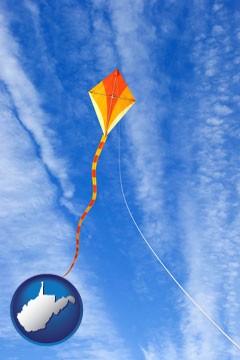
{"type": "Point", "coordinates": [93, 199]}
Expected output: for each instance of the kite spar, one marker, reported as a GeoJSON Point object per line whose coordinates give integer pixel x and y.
{"type": "Point", "coordinates": [111, 99]}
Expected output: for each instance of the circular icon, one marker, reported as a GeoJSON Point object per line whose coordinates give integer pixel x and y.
{"type": "Point", "coordinates": [46, 309]}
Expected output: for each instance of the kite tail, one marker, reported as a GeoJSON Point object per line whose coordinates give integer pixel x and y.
{"type": "Point", "coordinates": [93, 199]}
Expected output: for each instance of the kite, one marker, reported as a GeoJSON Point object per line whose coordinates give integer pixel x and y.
{"type": "Point", "coordinates": [111, 99]}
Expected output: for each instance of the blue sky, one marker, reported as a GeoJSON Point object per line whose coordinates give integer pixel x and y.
{"type": "Point", "coordinates": [180, 168]}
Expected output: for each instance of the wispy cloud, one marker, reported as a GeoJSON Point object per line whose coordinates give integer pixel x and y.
{"type": "Point", "coordinates": [135, 36]}
{"type": "Point", "coordinates": [209, 215]}
{"type": "Point", "coordinates": [27, 104]}
{"type": "Point", "coordinates": [161, 350]}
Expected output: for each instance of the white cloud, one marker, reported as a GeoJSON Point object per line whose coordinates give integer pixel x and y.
{"type": "Point", "coordinates": [217, 7]}
{"type": "Point", "coordinates": [222, 109]}
{"type": "Point", "coordinates": [215, 121]}
{"type": "Point", "coordinates": [217, 30]}
{"type": "Point", "coordinates": [27, 102]}
{"type": "Point", "coordinates": [207, 207]}
{"type": "Point", "coordinates": [164, 351]}
{"type": "Point", "coordinates": [32, 7]}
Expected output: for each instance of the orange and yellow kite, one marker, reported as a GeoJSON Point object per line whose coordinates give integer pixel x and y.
{"type": "Point", "coordinates": [111, 99]}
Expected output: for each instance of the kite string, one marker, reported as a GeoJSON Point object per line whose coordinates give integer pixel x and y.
{"type": "Point", "coordinates": [93, 199]}
{"type": "Point", "coordinates": [160, 261]}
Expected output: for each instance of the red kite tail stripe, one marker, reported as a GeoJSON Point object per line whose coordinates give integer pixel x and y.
{"type": "Point", "coordinates": [93, 199]}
